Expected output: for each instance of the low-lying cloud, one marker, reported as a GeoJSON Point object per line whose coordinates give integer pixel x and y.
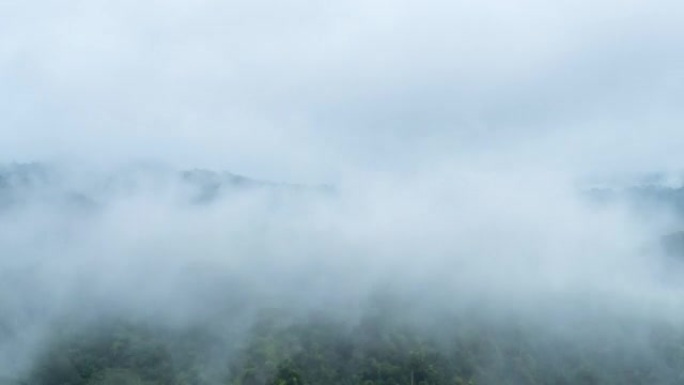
{"type": "Point", "coordinates": [452, 140]}
{"type": "Point", "coordinates": [139, 244]}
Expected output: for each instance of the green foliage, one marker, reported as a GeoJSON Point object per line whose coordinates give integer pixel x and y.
{"type": "Point", "coordinates": [376, 351]}
{"type": "Point", "coordinates": [286, 374]}
{"type": "Point", "coordinates": [119, 377]}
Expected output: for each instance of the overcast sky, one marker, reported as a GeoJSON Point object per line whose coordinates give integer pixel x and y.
{"type": "Point", "coordinates": [312, 90]}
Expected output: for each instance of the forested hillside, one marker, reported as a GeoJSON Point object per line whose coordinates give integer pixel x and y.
{"type": "Point", "coordinates": [375, 351]}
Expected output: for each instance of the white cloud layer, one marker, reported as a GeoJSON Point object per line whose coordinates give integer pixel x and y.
{"type": "Point", "coordinates": [455, 132]}
{"type": "Point", "coordinates": [314, 91]}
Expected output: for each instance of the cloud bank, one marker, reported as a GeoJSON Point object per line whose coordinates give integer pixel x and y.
{"type": "Point", "coordinates": [455, 135]}
{"type": "Point", "coordinates": [315, 92]}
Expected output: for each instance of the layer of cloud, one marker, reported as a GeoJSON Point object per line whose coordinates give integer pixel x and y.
{"type": "Point", "coordinates": [454, 131]}
{"type": "Point", "coordinates": [313, 91]}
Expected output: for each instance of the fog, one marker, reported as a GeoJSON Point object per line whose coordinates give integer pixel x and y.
{"type": "Point", "coordinates": [439, 153]}
{"type": "Point", "coordinates": [314, 92]}
{"type": "Point", "coordinates": [144, 243]}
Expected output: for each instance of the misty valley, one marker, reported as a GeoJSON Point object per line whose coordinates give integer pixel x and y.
{"type": "Point", "coordinates": [146, 275]}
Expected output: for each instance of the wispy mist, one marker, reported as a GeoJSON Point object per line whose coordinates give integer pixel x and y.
{"type": "Point", "coordinates": [479, 159]}
{"type": "Point", "coordinates": [140, 244]}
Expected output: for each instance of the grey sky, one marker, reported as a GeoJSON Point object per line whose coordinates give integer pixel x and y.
{"type": "Point", "coordinates": [310, 90]}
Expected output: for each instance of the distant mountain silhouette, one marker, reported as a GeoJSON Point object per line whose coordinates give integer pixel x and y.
{"type": "Point", "coordinates": [21, 183]}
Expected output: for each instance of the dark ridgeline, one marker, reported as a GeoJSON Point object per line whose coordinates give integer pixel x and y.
{"type": "Point", "coordinates": [25, 183]}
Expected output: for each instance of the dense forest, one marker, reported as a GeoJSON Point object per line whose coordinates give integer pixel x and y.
{"type": "Point", "coordinates": [379, 349]}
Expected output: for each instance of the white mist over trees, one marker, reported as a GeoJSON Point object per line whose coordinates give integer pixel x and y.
{"type": "Point", "coordinates": [545, 266]}
{"type": "Point", "coordinates": [367, 192]}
